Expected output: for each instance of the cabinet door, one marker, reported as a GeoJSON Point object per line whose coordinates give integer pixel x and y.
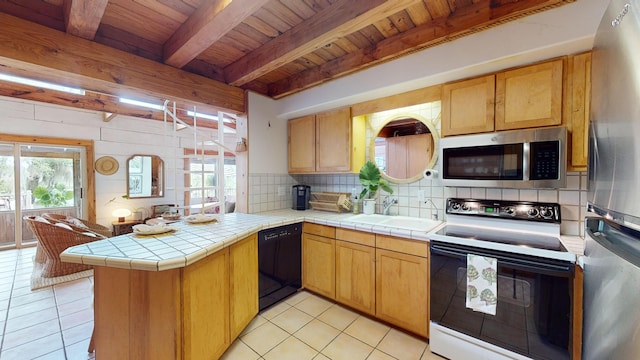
{"type": "Point", "coordinates": [579, 103]}
{"type": "Point", "coordinates": [319, 265]}
{"type": "Point", "coordinates": [419, 151]}
{"type": "Point", "coordinates": [355, 276]}
{"type": "Point", "coordinates": [205, 307]}
{"type": "Point", "coordinates": [302, 144]}
{"type": "Point", "coordinates": [530, 96]}
{"type": "Point", "coordinates": [396, 155]}
{"type": "Point", "coordinates": [333, 145]}
{"type": "Point", "coordinates": [243, 275]}
{"type": "Point", "coordinates": [402, 290]}
{"type": "Point", "coordinates": [468, 106]}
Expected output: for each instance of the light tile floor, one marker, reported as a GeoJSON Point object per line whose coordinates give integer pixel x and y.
{"type": "Point", "coordinates": [55, 323]}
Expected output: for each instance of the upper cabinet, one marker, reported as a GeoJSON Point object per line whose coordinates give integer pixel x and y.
{"type": "Point", "coordinates": [520, 98]}
{"type": "Point", "coordinates": [329, 142]}
{"type": "Point", "coordinates": [468, 106]}
{"type": "Point", "coordinates": [577, 103]}
{"type": "Point", "coordinates": [530, 96]}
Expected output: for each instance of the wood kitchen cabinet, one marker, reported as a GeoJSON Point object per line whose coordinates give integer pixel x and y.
{"type": "Point", "coordinates": [319, 259]}
{"type": "Point", "coordinates": [192, 313]}
{"type": "Point", "coordinates": [529, 96]}
{"type": "Point", "coordinates": [577, 103]}
{"type": "Point", "coordinates": [355, 270]}
{"type": "Point", "coordinates": [243, 286]}
{"type": "Point", "coordinates": [407, 156]}
{"type": "Point", "coordinates": [525, 97]}
{"type": "Point", "coordinates": [328, 142]}
{"type": "Point", "coordinates": [402, 283]}
{"type": "Point", "coordinates": [468, 106]}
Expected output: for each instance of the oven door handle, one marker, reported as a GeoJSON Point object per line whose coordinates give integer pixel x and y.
{"type": "Point", "coordinates": [559, 270]}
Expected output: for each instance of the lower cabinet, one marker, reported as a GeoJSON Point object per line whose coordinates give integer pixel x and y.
{"type": "Point", "coordinates": [243, 287]}
{"type": "Point", "coordinates": [402, 290]}
{"type": "Point", "coordinates": [356, 276]}
{"type": "Point", "coordinates": [191, 313]}
{"type": "Point", "coordinates": [319, 263]}
{"type": "Point", "coordinates": [384, 276]}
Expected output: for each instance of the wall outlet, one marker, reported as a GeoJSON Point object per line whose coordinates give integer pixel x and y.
{"type": "Point", "coordinates": [280, 190]}
{"type": "Point", "coordinates": [422, 195]}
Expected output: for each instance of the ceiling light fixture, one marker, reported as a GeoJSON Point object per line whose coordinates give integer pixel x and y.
{"type": "Point", "coordinates": [41, 84]}
{"type": "Point", "coordinates": [141, 103]}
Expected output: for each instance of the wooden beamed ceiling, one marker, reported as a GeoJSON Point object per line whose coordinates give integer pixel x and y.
{"type": "Point", "coordinates": [207, 52]}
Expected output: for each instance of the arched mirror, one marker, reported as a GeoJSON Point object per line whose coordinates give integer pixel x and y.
{"type": "Point", "coordinates": [145, 176]}
{"type": "Point", "coordinates": [405, 146]}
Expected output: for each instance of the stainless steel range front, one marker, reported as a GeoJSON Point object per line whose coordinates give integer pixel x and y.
{"type": "Point", "coordinates": [500, 282]}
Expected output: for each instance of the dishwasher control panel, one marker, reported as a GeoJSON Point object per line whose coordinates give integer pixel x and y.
{"type": "Point", "coordinates": [504, 209]}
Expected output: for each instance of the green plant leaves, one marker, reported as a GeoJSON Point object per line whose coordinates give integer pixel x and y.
{"type": "Point", "coordinates": [371, 178]}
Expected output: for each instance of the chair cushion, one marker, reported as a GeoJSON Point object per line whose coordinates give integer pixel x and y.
{"type": "Point", "coordinates": [76, 222]}
{"type": "Point", "coordinates": [41, 219]}
{"type": "Point", "coordinates": [63, 225]}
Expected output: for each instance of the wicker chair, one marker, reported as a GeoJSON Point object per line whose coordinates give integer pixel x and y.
{"type": "Point", "coordinates": [53, 240]}
{"type": "Point", "coordinates": [77, 224]}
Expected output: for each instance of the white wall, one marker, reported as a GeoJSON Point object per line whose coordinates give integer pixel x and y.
{"type": "Point", "coordinates": [267, 136]}
{"type": "Point", "coordinates": [121, 138]}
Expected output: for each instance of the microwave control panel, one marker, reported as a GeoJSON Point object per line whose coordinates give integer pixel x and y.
{"type": "Point", "coordinates": [544, 159]}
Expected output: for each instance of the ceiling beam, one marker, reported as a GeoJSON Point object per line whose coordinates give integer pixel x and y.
{"type": "Point", "coordinates": [341, 18]}
{"type": "Point", "coordinates": [210, 22]}
{"type": "Point", "coordinates": [467, 20]}
{"type": "Point", "coordinates": [55, 56]}
{"type": "Point", "coordinates": [82, 17]}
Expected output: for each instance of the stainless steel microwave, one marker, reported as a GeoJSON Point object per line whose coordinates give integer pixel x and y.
{"type": "Point", "coordinates": [530, 158]}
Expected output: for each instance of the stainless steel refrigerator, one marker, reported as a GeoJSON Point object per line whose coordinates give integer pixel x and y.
{"type": "Point", "coordinates": [612, 254]}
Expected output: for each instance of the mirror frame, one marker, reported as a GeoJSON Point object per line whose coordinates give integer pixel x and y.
{"type": "Point", "coordinates": [434, 157]}
{"type": "Point", "coordinates": [161, 180]}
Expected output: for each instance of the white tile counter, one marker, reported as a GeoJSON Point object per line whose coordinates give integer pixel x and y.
{"type": "Point", "coordinates": [192, 242]}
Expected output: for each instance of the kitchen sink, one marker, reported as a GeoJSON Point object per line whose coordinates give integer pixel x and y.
{"type": "Point", "coordinates": [402, 222]}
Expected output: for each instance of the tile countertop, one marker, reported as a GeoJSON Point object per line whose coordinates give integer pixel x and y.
{"type": "Point", "coordinates": [192, 242]}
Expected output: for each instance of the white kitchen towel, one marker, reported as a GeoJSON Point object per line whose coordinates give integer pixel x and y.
{"type": "Point", "coordinates": [482, 283]}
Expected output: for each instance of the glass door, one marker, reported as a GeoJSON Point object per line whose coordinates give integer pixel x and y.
{"type": "Point", "coordinates": [50, 182]}
{"type": "Point", "coordinates": [7, 196]}
{"type": "Point", "coordinates": [36, 179]}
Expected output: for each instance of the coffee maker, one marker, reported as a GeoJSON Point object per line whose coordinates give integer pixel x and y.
{"type": "Point", "coordinates": [300, 195]}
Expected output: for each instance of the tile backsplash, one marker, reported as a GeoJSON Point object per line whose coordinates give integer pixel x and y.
{"type": "Point", "coordinates": [273, 191]}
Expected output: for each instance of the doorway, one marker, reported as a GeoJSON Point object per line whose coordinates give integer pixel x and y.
{"type": "Point", "coordinates": [39, 177]}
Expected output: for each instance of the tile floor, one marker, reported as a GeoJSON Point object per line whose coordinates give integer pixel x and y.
{"type": "Point", "coordinates": [55, 323]}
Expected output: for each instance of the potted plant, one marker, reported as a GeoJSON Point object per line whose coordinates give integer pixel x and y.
{"type": "Point", "coordinates": [371, 179]}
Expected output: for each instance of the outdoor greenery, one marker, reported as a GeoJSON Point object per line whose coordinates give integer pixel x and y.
{"type": "Point", "coordinates": [50, 197]}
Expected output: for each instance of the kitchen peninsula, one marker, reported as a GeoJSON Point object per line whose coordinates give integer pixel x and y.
{"type": "Point", "coordinates": [189, 293]}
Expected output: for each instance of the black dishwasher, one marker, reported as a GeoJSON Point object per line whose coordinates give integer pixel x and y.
{"type": "Point", "coordinates": [279, 263]}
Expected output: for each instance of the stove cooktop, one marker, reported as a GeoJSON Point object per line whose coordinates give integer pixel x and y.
{"type": "Point", "coordinates": [531, 228]}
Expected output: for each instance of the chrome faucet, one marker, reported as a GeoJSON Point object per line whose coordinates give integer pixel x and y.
{"type": "Point", "coordinates": [434, 216]}
{"type": "Point", "coordinates": [387, 203]}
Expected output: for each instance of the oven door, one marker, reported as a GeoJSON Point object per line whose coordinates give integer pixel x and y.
{"type": "Point", "coordinates": [533, 307]}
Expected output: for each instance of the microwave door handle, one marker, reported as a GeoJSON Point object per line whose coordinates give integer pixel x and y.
{"type": "Point", "coordinates": [526, 151]}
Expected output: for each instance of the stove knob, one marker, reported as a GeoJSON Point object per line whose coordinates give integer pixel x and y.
{"type": "Point", "coordinates": [533, 212]}
{"type": "Point", "coordinates": [510, 210]}
{"type": "Point", "coordinates": [465, 207]}
{"type": "Point", "coordinates": [455, 206]}
{"type": "Point", "coordinates": [546, 212]}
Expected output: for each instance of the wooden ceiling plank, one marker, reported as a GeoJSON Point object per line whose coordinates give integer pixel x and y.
{"type": "Point", "coordinates": [73, 61]}
{"type": "Point", "coordinates": [35, 10]}
{"type": "Point", "coordinates": [82, 17]}
{"type": "Point", "coordinates": [341, 18]}
{"type": "Point", "coordinates": [262, 26]}
{"type": "Point", "coordinates": [208, 24]}
{"type": "Point", "coordinates": [465, 20]}
{"type": "Point", "coordinates": [419, 13]}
